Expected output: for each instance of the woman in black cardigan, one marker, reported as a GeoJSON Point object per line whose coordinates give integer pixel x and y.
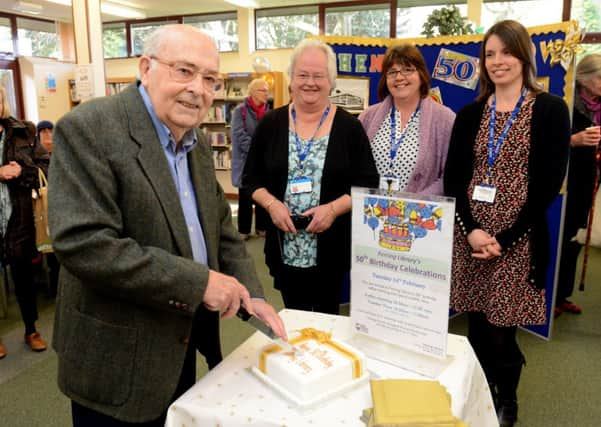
{"type": "Point", "coordinates": [303, 161]}
{"type": "Point", "coordinates": [506, 163]}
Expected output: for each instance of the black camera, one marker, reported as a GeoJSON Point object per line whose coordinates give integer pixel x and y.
{"type": "Point", "coordinates": [301, 221]}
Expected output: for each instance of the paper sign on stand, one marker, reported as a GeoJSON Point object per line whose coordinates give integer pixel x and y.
{"type": "Point", "coordinates": [402, 247]}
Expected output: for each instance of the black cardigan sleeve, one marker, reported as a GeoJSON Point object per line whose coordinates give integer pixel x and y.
{"type": "Point", "coordinates": [460, 163]}
{"type": "Point", "coordinates": [547, 164]}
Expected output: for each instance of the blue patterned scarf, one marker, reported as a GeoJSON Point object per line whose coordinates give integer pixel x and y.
{"type": "Point", "coordinates": [5, 206]}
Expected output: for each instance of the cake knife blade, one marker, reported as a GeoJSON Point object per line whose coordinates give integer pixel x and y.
{"type": "Point", "coordinates": [266, 330]}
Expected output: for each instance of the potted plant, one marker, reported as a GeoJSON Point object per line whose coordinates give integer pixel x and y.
{"type": "Point", "coordinates": [446, 21]}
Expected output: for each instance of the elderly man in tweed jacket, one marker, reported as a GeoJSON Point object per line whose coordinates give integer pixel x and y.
{"type": "Point", "coordinates": [144, 234]}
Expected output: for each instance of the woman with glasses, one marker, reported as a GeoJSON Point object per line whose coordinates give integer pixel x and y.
{"type": "Point", "coordinates": [507, 160]}
{"type": "Point", "coordinates": [303, 161]}
{"type": "Point", "coordinates": [245, 118]}
{"type": "Point", "coordinates": [408, 131]}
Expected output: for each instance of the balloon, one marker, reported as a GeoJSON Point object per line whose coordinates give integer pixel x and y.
{"type": "Point", "coordinates": [419, 232]}
{"type": "Point", "coordinates": [268, 79]}
{"type": "Point", "coordinates": [373, 222]}
{"type": "Point", "coordinates": [261, 64]}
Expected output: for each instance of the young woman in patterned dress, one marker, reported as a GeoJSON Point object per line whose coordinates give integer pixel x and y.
{"type": "Point", "coordinates": [506, 163]}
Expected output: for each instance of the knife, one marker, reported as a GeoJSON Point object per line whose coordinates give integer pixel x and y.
{"type": "Point", "coordinates": [266, 330]}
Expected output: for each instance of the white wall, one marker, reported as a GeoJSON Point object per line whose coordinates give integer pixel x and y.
{"type": "Point", "coordinates": [40, 102]}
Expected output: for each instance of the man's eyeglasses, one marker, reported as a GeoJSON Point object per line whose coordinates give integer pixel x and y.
{"type": "Point", "coordinates": [403, 71]}
{"type": "Point", "coordinates": [185, 73]}
{"type": "Point", "coordinates": [305, 77]}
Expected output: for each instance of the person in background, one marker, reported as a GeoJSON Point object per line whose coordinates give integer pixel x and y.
{"type": "Point", "coordinates": [150, 259]}
{"type": "Point", "coordinates": [506, 164]}
{"type": "Point", "coordinates": [245, 118]}
{"type": "Point", "coordinates": [303, 161]}
{"type": "Point", "coordinates": [408, 131]}
{"type": "Point", "coordinates": [21, 156]}
{"type": "Point", "coordinates": [582, 174]}
{"type": "Point", "coordinates": [44, 133]}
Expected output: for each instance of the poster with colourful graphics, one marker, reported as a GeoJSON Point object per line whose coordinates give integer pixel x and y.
{"type": "Point", "coordinates": [401, 268]}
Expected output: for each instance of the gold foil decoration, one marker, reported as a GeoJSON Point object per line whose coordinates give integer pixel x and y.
{"type": "Point", "coordinates": [563, 51]}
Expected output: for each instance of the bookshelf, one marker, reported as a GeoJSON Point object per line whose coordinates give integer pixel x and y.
{"type": "Point", "coordinates": [115, 85]}
{"type": "Point", "coordinates": [217, 123]}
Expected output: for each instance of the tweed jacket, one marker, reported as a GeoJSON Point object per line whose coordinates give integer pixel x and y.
{"type": "Point", "coordinates": [547, 164]}
{"type": "Point", "coordinates": [435, 125]}
{"type": "Point", "coordinates": [21, 146]}
{"type": "Point", "coordinates": [348, 163]}
{"type": "Point", "coordinates": [128, 286]}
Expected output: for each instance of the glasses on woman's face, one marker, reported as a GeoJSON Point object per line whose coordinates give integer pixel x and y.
{"type": "Point", "coordinates": [403, 71]}
{"type": "Point", "coordinates": [305, 77]}
{"type": "Point", "coordinates": [186, 73]}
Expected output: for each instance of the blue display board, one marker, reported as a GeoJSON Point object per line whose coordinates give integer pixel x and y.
{"type": "Point", "coordinates": [453, 66]}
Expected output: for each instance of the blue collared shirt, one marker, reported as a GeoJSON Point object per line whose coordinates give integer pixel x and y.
{"type": "Point", "coordinates": [178, 165]}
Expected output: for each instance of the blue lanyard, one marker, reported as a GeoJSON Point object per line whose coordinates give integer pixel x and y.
{"type": "Point", "coordinates": [394, 145]}
{"type": "Point", "coordinates": [494, 147]}
{"type": "Point", "coordinates": [302, 154]}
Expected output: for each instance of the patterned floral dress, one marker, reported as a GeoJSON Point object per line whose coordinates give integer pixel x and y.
{"type": "Point", "coordinates": [300, 249]}
{"type": "Point", "coordinates": [499, 287]}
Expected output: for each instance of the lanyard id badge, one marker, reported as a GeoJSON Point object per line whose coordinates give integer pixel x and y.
{"type": "Point", "coordinates": [390, 183]}
{"type": "Point", "coordinates": [484, 193]}
{"type": "Point", "coordinates": [301, 184]}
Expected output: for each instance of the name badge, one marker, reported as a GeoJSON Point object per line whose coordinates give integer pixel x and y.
{"type": "Point", "coordinates": [390, 183]}
{"type": "Point", "coordinates": [484, 193]}
{"type": "Point", "coordinates": [300, 185]}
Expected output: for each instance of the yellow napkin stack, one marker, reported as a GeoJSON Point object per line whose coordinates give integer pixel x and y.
{"type": "Point", "coordinates": [410, 403]}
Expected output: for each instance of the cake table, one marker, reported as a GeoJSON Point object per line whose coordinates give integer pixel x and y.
{"type": "Point", "coordinates": [232, 396]}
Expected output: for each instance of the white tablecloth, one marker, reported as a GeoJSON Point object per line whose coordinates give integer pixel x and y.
{"type": "Point", "coordinates": [232, 396]}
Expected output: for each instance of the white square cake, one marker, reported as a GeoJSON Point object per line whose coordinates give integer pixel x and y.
{"type": "Point", "coordinates": [323, 365]}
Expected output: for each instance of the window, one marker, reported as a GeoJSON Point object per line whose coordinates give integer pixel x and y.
{"type": "Point", "coordinates": [410, 19]}
{"type": "Point", "coordinates": [223, 28]}
{"type": "Point", "coordinates": [6, 37]}
{"type": "Point", "coordinates": [139, 32]}
{"type": "Point", "coordinates": [114, 40]}
{"type": "Point", "coordinates": [285, 27]}
{"type": "Point", "coordinates": [37, 38]}
{"type": "Point", "coordinates": [588, 15]}
{"type": "Point", "coordinates": [371, 20]}
{"type": "Point", "coordinates": [547, 12]}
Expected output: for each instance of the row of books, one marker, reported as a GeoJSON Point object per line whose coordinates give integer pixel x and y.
{"type": "Point", "coordinates": [218, 113]}
{"type": "Point", "coordinates": [222, 159]}
{"type": "Point", "coordinates": [217, 138]}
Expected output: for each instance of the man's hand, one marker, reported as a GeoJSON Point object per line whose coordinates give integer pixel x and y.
{"type": "Point", "coordinates": [268, 315]}
{"type": "Point", "coordinates": [224, 294]}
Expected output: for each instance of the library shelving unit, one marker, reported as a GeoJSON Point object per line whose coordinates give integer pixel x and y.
{"type": "Point", "coordinates": [217, 124]}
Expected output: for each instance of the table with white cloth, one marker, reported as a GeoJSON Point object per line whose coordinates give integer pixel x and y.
{"type": "Point", "coordinates": [231, 395]}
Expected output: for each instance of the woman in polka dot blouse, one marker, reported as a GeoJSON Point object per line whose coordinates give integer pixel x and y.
{"type": "Point", "coordinates": [408, 131]}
